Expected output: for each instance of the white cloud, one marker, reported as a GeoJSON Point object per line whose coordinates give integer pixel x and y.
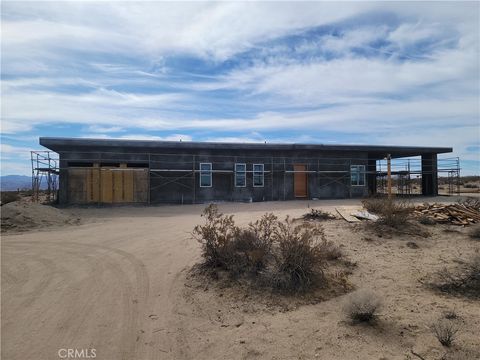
{"type": "Point", "coordinates": [47, 47]}
{"type": "Point", "coordinates": [10, 152]}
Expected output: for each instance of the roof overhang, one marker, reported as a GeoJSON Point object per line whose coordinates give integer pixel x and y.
{"type": "Point", "coordinates": [59, 144]}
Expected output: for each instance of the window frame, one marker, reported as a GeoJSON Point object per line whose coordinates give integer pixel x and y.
{"type": "Point", "coordinates": [202, 173]}
{"type": "Point", "coordinates": [244, 175]}
{"type": "Point", "coordinates": [360, 171]}
{"type": "Point", "coordinates": [262, 173]}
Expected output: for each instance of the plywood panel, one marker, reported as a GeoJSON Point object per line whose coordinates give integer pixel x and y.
{"type": "Point", "coordinates": [118, 194]}
{"type": "Point", "coordinates": [106, 189]}
{"type": "Point", "coordinates": [128, 185]}
{"type": "Point", "coordinates": [300, 180]}
{"type": "Point", "coordinates": [77, 186]}
{"type": "Point", "coordinates": [93, 184]}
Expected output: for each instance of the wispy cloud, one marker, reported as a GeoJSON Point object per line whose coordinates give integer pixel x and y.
{"type": "Point", "coordinates": [365, 72]}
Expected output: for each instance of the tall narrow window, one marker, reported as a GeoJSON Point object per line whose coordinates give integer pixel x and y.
{"type": "Point", "coordinates": [240, 175]}
{"type": "Point", "coordinates": [258, 175]}
{"type": "Point", "coordinates": [205, 174]}
{"type": "Point", "coordinates": [357, 175]}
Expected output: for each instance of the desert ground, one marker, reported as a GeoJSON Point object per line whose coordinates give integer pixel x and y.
{"type": "Point", "coordinates": [117, 280]}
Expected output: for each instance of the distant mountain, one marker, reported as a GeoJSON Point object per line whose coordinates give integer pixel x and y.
{"type": "Point", "coordinates": [14, 182]}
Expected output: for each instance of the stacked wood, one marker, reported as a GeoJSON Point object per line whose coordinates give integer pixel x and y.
{"type": "Point", "coordinates": [456, 214]}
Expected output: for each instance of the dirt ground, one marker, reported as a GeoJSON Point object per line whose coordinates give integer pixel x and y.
{"type": "Point", "coordinates": [118, 283]}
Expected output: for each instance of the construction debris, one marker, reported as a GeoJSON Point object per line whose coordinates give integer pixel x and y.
{"type": "Point", "coordinates": [315, 214]}
{"type": "Point", "coordinates": [455, 214]}
{"type": "Point", "coordinates": [365, 215]}
{"type": "Point", "coordinates": [345, 212]}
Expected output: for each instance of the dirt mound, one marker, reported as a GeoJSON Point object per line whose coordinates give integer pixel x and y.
{"type": "Point", "coordinates": [21, 216]}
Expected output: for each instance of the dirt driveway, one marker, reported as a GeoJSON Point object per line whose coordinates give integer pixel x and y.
{"type": "Point", "coordinates": [116, 284]}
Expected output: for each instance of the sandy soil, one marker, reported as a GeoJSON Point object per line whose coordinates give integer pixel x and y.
{"type": "Point", "coordinates": [118, 283]}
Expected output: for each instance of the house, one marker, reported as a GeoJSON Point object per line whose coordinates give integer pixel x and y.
{"type": "Point", "coordinates": [138, 171]}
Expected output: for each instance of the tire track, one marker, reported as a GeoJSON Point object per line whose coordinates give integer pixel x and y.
{"type": "Point", "coordinates": [103, 259]}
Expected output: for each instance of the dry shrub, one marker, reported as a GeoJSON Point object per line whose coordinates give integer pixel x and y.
{"type": "Point", "coordinates": [9, 196]}
{"type": "Point", "coordinates": [471, 202]}
{"type": "Point", "coordinates": [362, 306]}
{"type": "Point", "coordinates": [216, 237]}
{"type": "Point", "coordinates": [316, 214]}
{"type": "Point", "coordinates": [282, 255]}
{"type": "Point", "coordinates": [445, 331]}
{"type": "Point", "coordinates": [426, 220]}
{"type": "Point", "coordinates": [391, 212]}
{"type": "Point", "coordinates": [450, 315]}
{"type": "Point", "coordinates": [475, 232]}
{"type": "Point", "coordinates": [464, 280]}
{"type": "Point", "coordinates": [374, 205]}
{"type": "Point", "coordinates": [330, 250]}
{"type": "Point", "coordinates": [299, 261]}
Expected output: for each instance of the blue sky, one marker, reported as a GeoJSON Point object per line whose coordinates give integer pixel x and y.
{"type": "Point", "coordinates": [314, 72]}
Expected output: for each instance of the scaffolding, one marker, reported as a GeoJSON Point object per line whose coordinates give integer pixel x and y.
{"type": "Point", "coordinates": [45, 173]}
{"type": "Point", "coordinates": [407, 176]}
{"type": "Point", "coordinates": [330, 175]}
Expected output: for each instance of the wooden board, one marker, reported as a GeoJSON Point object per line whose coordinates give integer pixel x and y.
{"type": "Point", "coordinates": [346, 212]}
{"type": "Point", "coordinates": [107, 185]}
{"type": "Point", "coordinates": [128, 186]}
{"type": "Point", "coordinates": [106, 181]}
{"type": "Point", "coordinates": [300, 181]}
{"type": "Point", "coordinates": [93, 184]}
{"type": "Point", "coordinates": [117, 186]}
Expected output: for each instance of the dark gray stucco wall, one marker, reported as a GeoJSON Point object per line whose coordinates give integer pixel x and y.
{"type": "Point", "coordinates": [328, 172]}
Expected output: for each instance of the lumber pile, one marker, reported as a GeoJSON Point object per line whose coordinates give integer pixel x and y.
{"type": "Point", "coordinates": [456, 214]}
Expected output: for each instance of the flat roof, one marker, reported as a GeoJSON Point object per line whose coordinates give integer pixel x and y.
{"type": "Point", "coordinates": [60, 144]}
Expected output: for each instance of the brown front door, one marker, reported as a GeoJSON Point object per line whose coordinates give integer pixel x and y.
{"type": "Point", "coordinates": [300, 180]}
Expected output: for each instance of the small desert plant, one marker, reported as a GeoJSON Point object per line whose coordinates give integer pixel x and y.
{"type": "Point", "coordinates": [391, 212]}
{"type": "Point", "coordinates": [475, 232]}
{"type": "Point", "coordinates": [426, 220]}
{"type": "Point", "coordinates": [362, 306]}
{"type": "Point", "coordinates": [9, 196]}
{"type": "Point", "coordinates": [216, 236]}
{"type": "Point", "coordinates": [395, 213]}
{"type": "Point", "coordinates": [330, 250]}
{"type": "Point", "coordinates": [465, 279]}
{"type": "Point", "coordinates": [316, 214]}
{"type": "Point", "coordinates": [374, 205]}
{"type": "Point", "coordinates": [445, 331]}
{"type": "Point", "coordinates": [450, 315]}
{"type": "Point", "coordinates": [299, 261]}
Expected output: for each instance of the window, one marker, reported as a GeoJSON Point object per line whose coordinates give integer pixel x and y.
{"type": "Point", "coordinates": [205, 174]}
{"type": "Point", "coordinates": [357, 175]}
{"type": "Point", "coordinates": [258, 175]}
{"type": "Point", "coordinates": [240, 175]}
